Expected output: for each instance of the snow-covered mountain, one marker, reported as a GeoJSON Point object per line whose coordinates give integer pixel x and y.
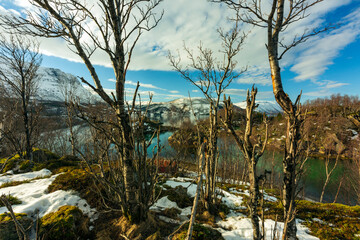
{"type": "Point", "coordinates": [177, 111]}
{"type": "Point", "coordinates": [268, 107]}
{"type": "Point", "coordinates": [54, 83]}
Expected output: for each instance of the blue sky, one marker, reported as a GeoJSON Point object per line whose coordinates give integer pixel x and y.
{"type": "Point", "coordinates": [324, 65]}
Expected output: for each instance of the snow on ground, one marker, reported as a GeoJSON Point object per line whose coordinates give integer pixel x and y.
{"type": "Point", "coordinates": [9, 177]}
{"type": "Point", "coordinates": [36, 200]}
{"type": "Point", "coordinates": [231, 200]}
{"type": "Point", "coordinates": [191, 187]}
{"type": "Point", "coordinates": [236, 226]}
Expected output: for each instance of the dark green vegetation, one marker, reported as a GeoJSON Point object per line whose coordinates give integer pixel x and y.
{"type": "Point", "coordinates": [12, 200]}
{"type": "Point", "coordinates": [67, 223]}
{"type": "Point", "coordinates": [200, 232]}
{"type": "Point", "coordinates": [42, 158]}
{"type": "Point", "coordinates": [7, 226]}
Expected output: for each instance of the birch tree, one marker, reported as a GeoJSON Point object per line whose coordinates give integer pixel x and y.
{"type": "Point", "coordinates": [20, 61]}
{"type": "Point", "coordinates": [252, 152]}
{"type": "Point", "coordinates": [276, 17]}
{"type": "Point", "coordinates": [212, 76]}
{"type": "Point", "coordinates": [110, 27]}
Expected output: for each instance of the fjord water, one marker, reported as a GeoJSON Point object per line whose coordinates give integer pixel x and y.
{"type": "Point", "coordinates": [311, 183]}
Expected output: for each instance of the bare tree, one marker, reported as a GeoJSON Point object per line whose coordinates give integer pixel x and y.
{"type": "Point", "coordinates": [331, 140]}
{"type": "Point", "coordinates": [252, 153]}
{"type": "Point", "coordinates": [212, 77]}
{"type": "Point", "coordinates": [20, 62]}
{"type": "Point", "coordinates": [276, 18]}
{"type": "Point", "coordinates": [69, 92]}
{"type": "Point", "coordinates": [112, 27]}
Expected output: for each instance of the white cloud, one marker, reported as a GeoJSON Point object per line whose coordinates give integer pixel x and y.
{"type": "Point", "coordinates": [320, 52]}
{"type": "Point", "coordinates": [111, 80]}
{"type": "Point", "coordinates": [143, 85]}
{"type": "Point", "coordinates": [199, 22]}
{"type": "Point", "coordinates": [326, 88]}
{"type": "Point", "coordinates": [243, 93]}
{"type": "Point", "coordinates": [195, 91]}
{"type": "Point", "coordinates": [174, 92]}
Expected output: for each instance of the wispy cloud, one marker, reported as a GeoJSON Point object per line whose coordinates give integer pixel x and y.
{"type": "Point", "coordinates": [174, 91]}
{"type": "Point", "coordinates": [143, 85]}
{"type": "Point", "coordinates": [325, 88]}
{"type": "Point", "coordinates": [321, 51]}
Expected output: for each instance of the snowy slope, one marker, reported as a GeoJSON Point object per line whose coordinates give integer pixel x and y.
{"type": "Point", "coordinates": [268, 107]}
{"type": "Point", "coordinates": [53, 83]}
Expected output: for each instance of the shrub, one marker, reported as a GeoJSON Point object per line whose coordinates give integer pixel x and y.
{"type": "Point", "coordinates": [7, 226]}
{"type": "Point", "coordinates": [80, 181]}
{"type": "Point", "coordinates": [67, 223]}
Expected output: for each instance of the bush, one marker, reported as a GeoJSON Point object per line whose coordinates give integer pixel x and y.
{"type": "Point", "coordinates": [7, 226]}
{"type": "Point", "coordinates": [67, 223]}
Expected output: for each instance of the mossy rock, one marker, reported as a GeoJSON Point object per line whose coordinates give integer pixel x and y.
{"type": "Point", "coordinates": [200, 232]}
{"type": "Point", "coordinates": [70, 158]}
{"type": "Point", "coordinates": [55, 165]}
{"type": "Point", "coordinates": [179, 195]}
{"type": "Point", "coordinates": [18, 165]}
{"type": "Point", "coordinates": [80, 181]}
{"type": "Point", "coordinates": [7, 226]}
{"type": "Point", "coordinates": [67, 223]}
{"type": "Point", "coordinates": [43, 155]}
{"type": "Point", "coordinates": [10, 165]}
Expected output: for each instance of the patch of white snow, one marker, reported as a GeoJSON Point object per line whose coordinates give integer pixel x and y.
{"type": "Point", "coordinates": [9, 177]}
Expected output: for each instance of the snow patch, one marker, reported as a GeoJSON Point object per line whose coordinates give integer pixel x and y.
{"type": "Point", "coordinates": [5, 178]}
{"type": "Point", "coordinates": [36, 200]}
{"type": "Point", "coordinates": [238, 227]}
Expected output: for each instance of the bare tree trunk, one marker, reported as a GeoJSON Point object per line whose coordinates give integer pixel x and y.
{"type": "Point", "coordinates": [254, 200]}
{"type": "Point", "coordinates": [252, 153]}
{"type": "Point", "coordinates": [328, 174]}
{"type": "Point", "coordinates": [19, 228]}
{"type": "Point", "coordinates": [197, 196]}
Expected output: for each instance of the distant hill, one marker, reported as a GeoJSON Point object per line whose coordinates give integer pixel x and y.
{"type": "Point", "coordinates": [268, 107]}
{"type": "Point", "coordinates": [54, 82]}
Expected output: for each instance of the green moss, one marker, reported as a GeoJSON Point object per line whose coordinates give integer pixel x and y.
{"type": "Point", "coordinates": [14, 183]}
{"type": "Point", "coordinates": [67, 223]}
{"type": "Point", "coordinates": [12, 200]}
{"type": "Point", "coordinates": [200, 232]}
{"type": "Point", "coordinates": [55, 165]}
{"type": "Point", "coordinates": [80, 181]}
{"type": "Point", "coordinates": [5, 217]}
{"type": "Point", "coordinates": [7, 226]}
{"type": "Point", "coordinates": [10, 165]}
{"type": "Point", "coordinates": [43, 155]}
{"type": "Point", "coordinates": [337, 221]}
{"type": "Point", "coordinates": [25, 165]}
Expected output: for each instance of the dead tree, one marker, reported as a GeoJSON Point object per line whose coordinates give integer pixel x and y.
{"type": "Point", "coordinates": [329, 172]}
{"type": "Point", "coordinates": [252, 153]}
{"type": "Point", "coordinates": [20, 60]}
{"type": "Point", "coordinates": [69, 92]}
{"type": "Point", "coordinates": [212, 77]}
{"type": "Point", "coordinates": [276, 16]}
{"type": "Point", "coordinates": [111, 27]}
